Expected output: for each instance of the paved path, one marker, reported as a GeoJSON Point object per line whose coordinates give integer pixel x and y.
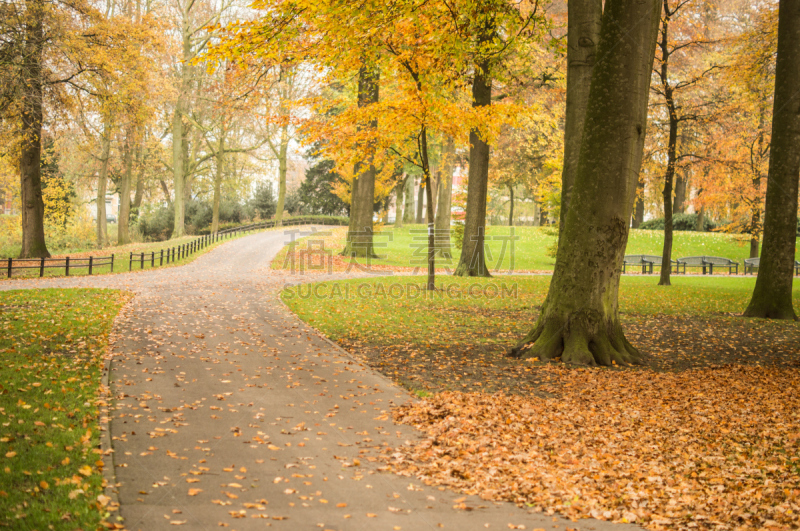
{"type": "Point", "coordinates": [231, 412]}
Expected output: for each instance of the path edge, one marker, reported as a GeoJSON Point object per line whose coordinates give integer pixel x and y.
{"type": "Point", "coordinates": [411, 397]}
{"type": "Point", "coordinates": [110, 489]}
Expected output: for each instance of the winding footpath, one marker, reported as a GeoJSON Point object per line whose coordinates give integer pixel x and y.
{"type": "Point", "coordinates": [230, 412]}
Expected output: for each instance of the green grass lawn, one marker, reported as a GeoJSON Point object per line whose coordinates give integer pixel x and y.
{"type": "Point", "coordinates": [51, 357]}
{"type": "Point", "coordinates": [396, 309]}
{"type": "Point", "coordinates": [405, 246]}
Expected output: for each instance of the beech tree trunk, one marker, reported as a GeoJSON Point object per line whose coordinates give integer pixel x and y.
{"type": "Point", "coordinates": [583, 34]}
{"type": "Point", "coordinates": [445, 200]}
{"type": "Point", "coordinates": [772, 296]}
{"type": "Point", "coordinates": [359, 234]}
{"type": "Point", "coordinates": [472, 262]}
{"type": "Point", "coordinates": [579, 321]}
{"type": "Point", "coordinates": [102, 187]}
{"type": "Point", "coordinates": [30, 171]}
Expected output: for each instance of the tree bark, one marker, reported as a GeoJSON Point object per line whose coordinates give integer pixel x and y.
{"type": "Point", "coordinates": [583, 34]}
{"type": "Point", "coordinates": [359, 236]}
{"type": "Point", "coordinates": [579, 321]}
{"type": "Point", "coordinates": [772, 296]}
{"type": "Point", "coordinates": [445, 200]}
{"type": "Point", "coordinates": [102, 187]}
{"type": "Point", "coordinates": [472, 262]}
{"type": "Point", "coordinates": [30, 171]}
{"type": "Point", "coordinates": [123, 234]}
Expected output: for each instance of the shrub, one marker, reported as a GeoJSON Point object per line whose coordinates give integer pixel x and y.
{"type": "Point", "coordinates": [157, 224]}
{"type": "Point", "coordinates": [680, 222]}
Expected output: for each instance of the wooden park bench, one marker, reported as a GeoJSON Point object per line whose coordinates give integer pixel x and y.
{"type": "Point", "coordinates": [647, 261]}
{"type": "Point", "coordinates": [708, 263]}
{"type": "Point", "coordinates": [752, 263]}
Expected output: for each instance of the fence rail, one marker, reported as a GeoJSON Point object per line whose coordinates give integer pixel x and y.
{"type": "Point", "coordinates": [153, 258]}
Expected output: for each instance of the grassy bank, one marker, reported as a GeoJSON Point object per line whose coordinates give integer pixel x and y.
{"type": "Point", "coordinates": [52, 344]}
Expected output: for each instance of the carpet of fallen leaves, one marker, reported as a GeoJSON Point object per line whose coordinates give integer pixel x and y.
{"type": "Point", "coordinates": [701, 449]}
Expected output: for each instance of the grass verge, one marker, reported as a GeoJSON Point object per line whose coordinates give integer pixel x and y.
{"type": "Point", "coordinates": [52, 344]}
{"type": "Point", "coordinates": [405, 247]}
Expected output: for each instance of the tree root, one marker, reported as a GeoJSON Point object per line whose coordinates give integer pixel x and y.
{"type": "Point", "coordinates": [582, 339]}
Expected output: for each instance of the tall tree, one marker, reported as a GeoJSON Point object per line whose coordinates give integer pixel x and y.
{"type": "Point", "coordinates": [359, 234]}
{"type": "Point", "coordinates": [31, 84]}
{"type": "Point", "coordinates": [772, 296]}
{"type": "Point", "coordinates": [583, 34]}
{"type": "Point", "coordinates": [579, 321]}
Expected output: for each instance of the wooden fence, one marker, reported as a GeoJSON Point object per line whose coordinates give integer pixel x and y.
{"type": "Point", "coordinates": [153, 258]}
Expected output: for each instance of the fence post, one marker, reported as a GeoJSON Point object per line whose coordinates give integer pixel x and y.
{"type": "Point", "coordinates": [141, 261]}
{"type": "Point", "coordinates": [90, 266]}
{"type": "Point", "coordinates": [66, 267]}
{"type": "Point", "coordinates": [10, 261]}
{"type": "Point", "coordinates": [161, 258]}
{"type": "Point", "coordinates": [152, 259]}
{"type": "Point", "coordinates": [112, 262]}
{"type": "Point", "coordinates": [41, 268]}
{"type": "Point", "coordinates": [130, 262]}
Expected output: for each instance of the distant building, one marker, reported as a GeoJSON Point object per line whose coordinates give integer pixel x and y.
{"type": "Point", "coordinates": [112, 207]}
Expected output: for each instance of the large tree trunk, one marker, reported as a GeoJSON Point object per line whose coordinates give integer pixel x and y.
{"type": "Point", "coordinates": [638, 209]}
{"type": "Point", "coordinates": [583, 34]}
{"type": "Point", "coordinates": [123, 234]}
{"type": "Point", "coordinates": [408, 214]}
{"type": "Point", "coordinates": [359, 235]}
{"type": "Point", "coordinates": [772, 296]}
{"type": "Point", "coordinates": [399, 200]}
{"type": "Point", "coordinates": [102, 187]}
{"type": "Point", "coordinates": [579, 321]}
{"type": "Point", "coordinates": [30, 171]}
{"type": "Point", "coordinates": [179, 133]}
{"type": "Point", "coordinates": [472, 262]}
{"type": "Point", "coordinates": [445, 200]}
